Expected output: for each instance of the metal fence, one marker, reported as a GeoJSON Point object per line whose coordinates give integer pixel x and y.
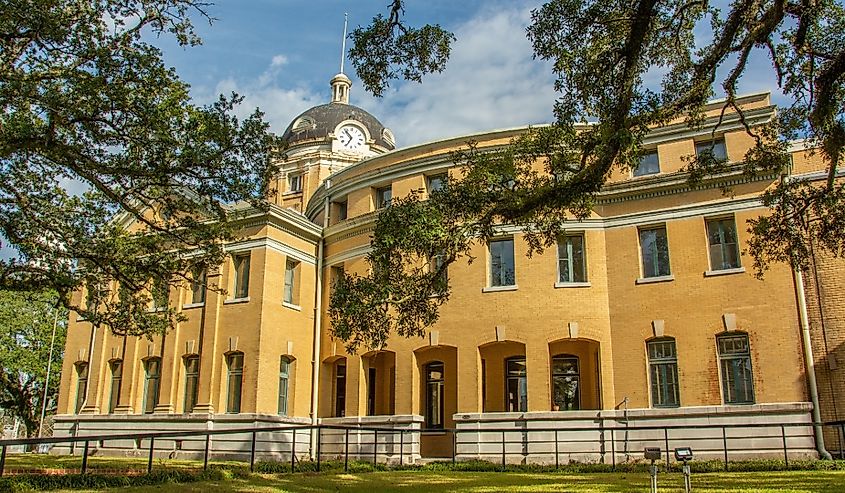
{"type": "Point", "coordinates": [373, 442]}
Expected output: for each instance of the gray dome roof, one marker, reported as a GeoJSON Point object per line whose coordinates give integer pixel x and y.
{"type": "Point", "coordinates": [316, 123]}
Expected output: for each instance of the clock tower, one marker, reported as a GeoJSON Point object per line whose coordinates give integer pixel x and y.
{"type": "Point", "coordinates": [323, 140]}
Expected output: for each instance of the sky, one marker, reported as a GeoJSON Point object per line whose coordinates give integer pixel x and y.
{"type": "Point", "coordinates": [281, 54]}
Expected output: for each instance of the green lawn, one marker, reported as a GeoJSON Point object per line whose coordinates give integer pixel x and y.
{"type": "Point", "coordinates": [489, 482]}
{"type": "Point", "coordinates": [439, 480]}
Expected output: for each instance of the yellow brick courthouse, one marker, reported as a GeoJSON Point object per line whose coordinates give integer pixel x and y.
{"type": "Point", "coordinates": [645, 313]}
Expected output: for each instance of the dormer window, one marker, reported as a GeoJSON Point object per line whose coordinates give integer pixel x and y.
{"type": "Point", "coordinates": [304, 124]}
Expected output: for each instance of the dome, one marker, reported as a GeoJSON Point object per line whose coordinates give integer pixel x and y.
{"type": "Point", "coordinates": [318, 122]}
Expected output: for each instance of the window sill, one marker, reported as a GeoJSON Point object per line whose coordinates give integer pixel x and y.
{"type": "Point", "coordinates": [573, 285]}
{"type": "Point", "coordinates": [291, 192]}
{"type": "Point", "coordinates": [649, 280]}
{"type": "Point", "coordinates": [724, 272]}
{"type": "Point", "coordinates": [236, 300]}
{"type": "Point", "coordinates": [291, 306]}
{"type": "Point", "coordinates": [188, 306]}
{"type": "Point", "coordinates": [494, 289]}
{"type": "Point", "coordinates": [157, 309]}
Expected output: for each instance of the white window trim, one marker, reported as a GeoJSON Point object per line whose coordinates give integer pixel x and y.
{"type": "Point", "coordinates": [586, 284]}
{"type": "Point", "coordinates": [724, 272]}
{"type": "Point", "coordinates": [493, 289]}
{"type": "Point", "coordinates": [232, 301]}
{"type": "Point", "coordinates": [574, 284]}
{"type": "Point", "coordinates": [292, 306]}
{"type": "Point", "coordinates": [187, 306]}
{"type": "Point", "coordinates": [651, 280]}
{"type": "Point", "coordinates": [489, 288]}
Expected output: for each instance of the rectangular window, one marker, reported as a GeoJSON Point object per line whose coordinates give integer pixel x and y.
{"type": "Point", "coordinates": [291, 294]}
{"type": "Point", "coordinates": [192, 375]}
{"type": "Point", "coordinates": [116, 377]}
{"type": "Point", "coordinates": [714, 147]}
{"type": "Point", "coordinates": [724, 248]}
{"type": "Point", "coordinates": [654, 247]}
{"type": "Point", "coordinates": [649, 164]}
{"type": "Point", "coordinates": [335, 273]}
{"type": "Point", "coordinates": [198, 280]}
{"type": "Point", "coordinates": [663, 371]}
{"type": "Point", "coordinates": [437, 182]}
{"type": "Point", "coordinates": [434, 395]}
{"type": "Point", "coordinates": [235, 363]}
{"type": "Point", "coordinates": [438, 265]}
{"type": "Point", "coordinates": [502, 272]}
{"type": "Point", "coordinates": [383, 197]}
{"type": "Point", "coordinates": [284, 379]}
{"type": "Point", "coordinates": [160, 293]}
{"type": "Point", "coordinates": [241, 287]}
{"type": "Point", "coordinates": [341, 210]}
{"type": "Point", "coordinates": [571, 260]}
{"type": "Point", "coordinates": [152, 382]}
{"type": "Point", "coordinates": [735, 363]}
{"type": "Point", "coordinates": [294, 183]}
{"type": "Point", "coordinates": [516, 385]}
{"type": "Point", "coordinates": [340, 390]}
{"type": "Point", "coordinates": [81, 385]}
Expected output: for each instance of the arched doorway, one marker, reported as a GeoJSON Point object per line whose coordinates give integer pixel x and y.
{"type": "Point", "coordinates": [575, 376]}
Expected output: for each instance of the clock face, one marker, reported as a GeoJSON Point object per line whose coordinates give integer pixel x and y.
{"type": "Point", "coordinates": [350, 137]}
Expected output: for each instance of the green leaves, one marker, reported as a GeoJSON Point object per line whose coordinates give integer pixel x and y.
{"type": "Point", "coordinates": [625, 68]}
{"type": "Point", "coordinates": [388, 49]}
{"type": "Point", "coordinates": [26, 327]}
{"type": "Point", "coordinates": [108, 167]}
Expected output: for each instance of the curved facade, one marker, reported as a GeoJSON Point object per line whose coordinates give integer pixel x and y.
{"type": "Point", "coordinates": [647, 310]}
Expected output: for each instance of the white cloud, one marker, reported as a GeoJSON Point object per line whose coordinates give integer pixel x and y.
{"type": "Point", "coordinates": [279, 104]}
{"type": "Point", "coordinates": [491, 81]}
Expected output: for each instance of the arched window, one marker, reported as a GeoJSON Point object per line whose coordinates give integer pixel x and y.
{"type": "Point", "coordinates": [735, 364]}
{"type": "Point", "coordinates": [434, 394]}
{"type": "Point", "coordinates": [516, 385]}
{"type": "Point", "coordinates": [192, 374]}
{"type": "Point", "coordinates": [116, 367]}
{"type": "Point", "coordinates": [566, 383]}
{"type": "Point", "coordinates": [81, 385]}
{"type": "Point", "coordinates": [152, 383]}
{"type": "Point", "coordinates": [663, 372]}
{"type": "Point", "coordinates": [235, 380]}
{"type": "Point", "coordinates": [284, 380]}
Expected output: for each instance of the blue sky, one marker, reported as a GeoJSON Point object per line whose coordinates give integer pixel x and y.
{"type": "Point", "coordinates": [280, 55]}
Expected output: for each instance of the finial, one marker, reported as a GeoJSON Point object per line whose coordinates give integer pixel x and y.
{"type": "Point", "coordinates": [343, 42]}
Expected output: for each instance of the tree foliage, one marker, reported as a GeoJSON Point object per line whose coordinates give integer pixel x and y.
{"type": "Point", "coordinates": [388, 48]}
{"type": "Point", "coordinates": [88, 104]}
{"type": "Point", "coordinates": [602, 53]}
{"type": "Point", "coordinates": [26, 327]}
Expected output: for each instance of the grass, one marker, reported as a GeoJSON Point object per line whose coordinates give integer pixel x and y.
{"type": "Point", "coordinates": [489, 482]}
{"type": "Point", "coordinates": [469, 477]}
{"type": "Point", "coordinates": [74, 463]}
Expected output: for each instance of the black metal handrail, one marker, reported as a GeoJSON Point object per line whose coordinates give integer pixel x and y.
{"type": "Point", "coordinates": [608, 426]}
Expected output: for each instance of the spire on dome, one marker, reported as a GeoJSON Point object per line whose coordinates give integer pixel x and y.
{"type": "Point", "coordinates": [341, 83]}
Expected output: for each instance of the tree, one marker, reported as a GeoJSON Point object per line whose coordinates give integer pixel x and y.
{"type": "Point", "coordinates": [26, 327]}
{"type": "Point", "coordinates": [86, 100]}
{"type": "Point", "coordinates": [601, 52]}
